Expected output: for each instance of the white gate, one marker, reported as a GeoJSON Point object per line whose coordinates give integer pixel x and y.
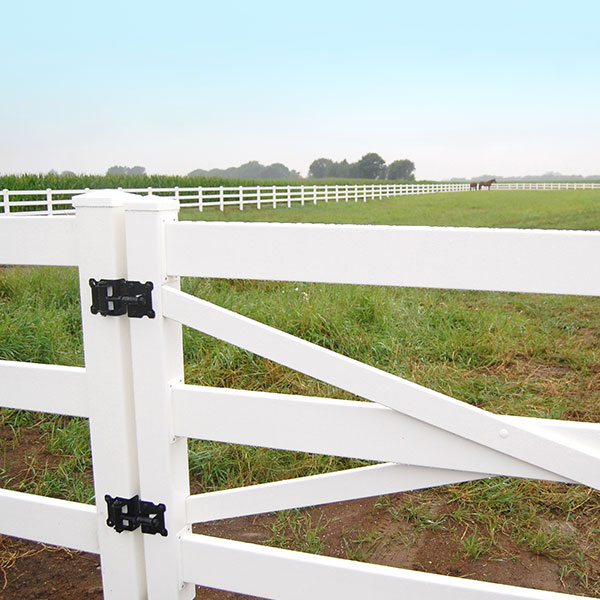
{"type": "Point", "coordinates": [141, 413]}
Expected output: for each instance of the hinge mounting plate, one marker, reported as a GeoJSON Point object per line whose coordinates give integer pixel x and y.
{"type": "Point", "coordinates": [115, 297]}
{"type": "Point", "coordinates": [127, 514]}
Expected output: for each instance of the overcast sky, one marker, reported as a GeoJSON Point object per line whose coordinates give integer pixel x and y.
{"type": "Point", "coordinates": [461, 88]}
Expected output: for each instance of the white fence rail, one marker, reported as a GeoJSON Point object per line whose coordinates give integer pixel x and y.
{"type": "Point", "coordinates": [59, 201]}
{"type": "Point", "coordinates": [141, 414]}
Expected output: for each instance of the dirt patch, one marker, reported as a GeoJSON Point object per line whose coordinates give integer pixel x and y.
{"type": "Point", "coordinates": [522, 369]}
{"type": "Point", "coordinates": [31, 571]}
{"type": "Point", "coordinates": [22, 453]}
{"type": "Point", "coordinates": [367, 530]}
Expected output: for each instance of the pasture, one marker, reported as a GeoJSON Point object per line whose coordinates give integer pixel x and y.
{"type": "Point", "coordinates": [530, 355]}
{"type": "Point", "coordinates": [574, 209]}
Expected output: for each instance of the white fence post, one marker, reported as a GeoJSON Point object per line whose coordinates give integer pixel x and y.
{"type": "Point", "coordinates": [289, 197]}
{"type": "Point", "coordinates": [177, 194]}
{"type": "Point", "coordinates": [337, 193]}
{"type": "Point", "coordinates": [258, 197]}
{"type": "Point", "coordinates": [315, 195]}
{"type": "Point", "coordinates": [157, 363]}
{"type": "Point", "coordinates": [5, 201]}
{"type": "Point", "coordinates": [200, 207]}
{"type": "Point", "coordinates": [100, 227]}
{"type": "Point", "coordinates": [274, 197]}
{"type": "Point", "coordinates": [221, 199]}
{"type": "Point", "coordinates": [49, 201]}
{"type": "Point", "coordinates": [241, 192]}
{"type": "Point", "coordinates": [302, 195]}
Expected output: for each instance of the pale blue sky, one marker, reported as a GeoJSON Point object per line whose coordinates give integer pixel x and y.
{"type": "Point", "coordinates": [461, 88]}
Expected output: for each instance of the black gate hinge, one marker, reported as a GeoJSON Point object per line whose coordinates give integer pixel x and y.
{"type": "Point", "coordinates": [127, 514]}
{"type": "Point", "coordinates": [119, 297]}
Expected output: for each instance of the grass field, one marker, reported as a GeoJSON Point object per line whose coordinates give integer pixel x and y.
{"type": "Point", "coordinates": [532, 355]}
{"type": "Point", "coordinates": [543, 209]}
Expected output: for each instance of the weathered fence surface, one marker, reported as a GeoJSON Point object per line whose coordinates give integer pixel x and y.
{"type": "Point", "coordinates": [131, 252]}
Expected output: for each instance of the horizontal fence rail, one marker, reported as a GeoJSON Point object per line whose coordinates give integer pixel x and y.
{"type": "Point", "coordinates": [508, 260]}
{"type": "Point", "coordinates": [49, 520]}
{"type": "Point", "coordinates": [141, 414]}
{"type": "Point", "coordinates": [38, 241]}
{"type": "Point", "coordinates": [44, 388]}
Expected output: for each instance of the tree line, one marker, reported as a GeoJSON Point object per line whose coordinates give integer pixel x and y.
{"type": "Point", "coordinates": [127, 171]}
{"type": "Point", "coordinates": [370, 166]}
{"type": "Point", "coordinates": [250, 170]}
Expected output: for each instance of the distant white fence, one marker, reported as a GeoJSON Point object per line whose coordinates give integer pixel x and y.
{"type": "Point", "coordinates": [59, 201]}
{"type": "Point", "coordinates": [141, 413]}
{"type": "Point", "coordinates": [547, 186]}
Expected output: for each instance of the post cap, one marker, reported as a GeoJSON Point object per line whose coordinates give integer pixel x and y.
{"type": "Point", "coordinates": [150, 203]}
{"type": "Point", "coordinates": [101, 199]}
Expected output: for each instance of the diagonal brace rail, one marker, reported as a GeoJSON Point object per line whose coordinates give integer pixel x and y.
{"type": "Point", "coordinates": [350, 484]}
{"type": "Point", "coordinates": [526, 442]}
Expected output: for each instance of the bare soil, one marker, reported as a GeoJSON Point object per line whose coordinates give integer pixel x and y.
{"type": "Point", "coordinates": [397, 544]}
{"type": "Point", "coordinates": [363, 529]}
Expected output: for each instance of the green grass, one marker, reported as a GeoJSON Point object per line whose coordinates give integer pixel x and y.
{"type": "Point", "coordinates": [474, 547]}
{"type": "Point", "coordinates": [295, 530]}
{"type": "Point", "coordinates": [359, 546]}
{"type": "Point", "coordinates": [537, 209]}
{"type": "Point", "coordinates": [532, 355]}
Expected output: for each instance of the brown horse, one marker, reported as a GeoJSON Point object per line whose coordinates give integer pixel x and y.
{"type": "Point", "coordinates": [487, 184]}
{"type": "Point", "coordinates": [474, 186]}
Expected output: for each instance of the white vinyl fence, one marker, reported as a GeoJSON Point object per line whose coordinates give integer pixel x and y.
{"type": "Point", "coordinates": [575, 185]}
{"type": "Point", "coordinates": [141, 413]}
{"type": "Point", "coordinates": [59, 201]}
